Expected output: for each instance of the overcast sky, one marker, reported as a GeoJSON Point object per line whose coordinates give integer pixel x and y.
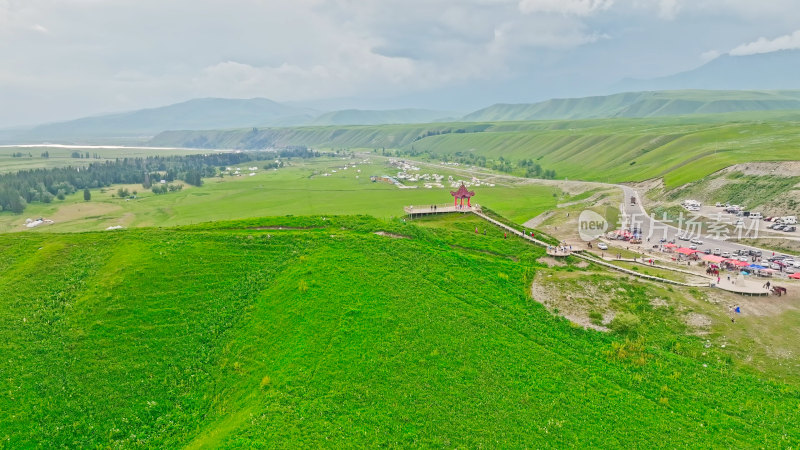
{"type": "Point", "coordinates": [63, 59]}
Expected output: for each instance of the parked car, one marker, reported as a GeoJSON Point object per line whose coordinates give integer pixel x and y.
{"type": "Point", "coordinates": [790, 229]}
{"type": "Point", "coordinates": [693, 247]}
{"type": "Point", "coordinates": [726, 254]}
{"type": "Point", "coordinates": [780, 227]}
{"type": "Point", "coordinates": [789, 270]}
{"type": "Point", "coordinates": [767, 219]}
{"type": "Point", "coordinates": [602, 246]}
{"type": "Point", "coordinates": [707, 251]}
{"type": "Point", "coordinates": [716, 252]}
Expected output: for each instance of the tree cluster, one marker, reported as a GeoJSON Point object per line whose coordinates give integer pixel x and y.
{"type": "Point", "coordinates": [19, 189]}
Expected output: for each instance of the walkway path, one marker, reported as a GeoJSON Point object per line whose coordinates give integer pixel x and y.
{"type": "Point", "coordinates": [746, 288]}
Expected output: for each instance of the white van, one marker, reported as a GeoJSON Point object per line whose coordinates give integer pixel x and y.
{"type": "Point", "coordinates": [789, 220]}
{"type": "Point", "coordinates": [756, 216]}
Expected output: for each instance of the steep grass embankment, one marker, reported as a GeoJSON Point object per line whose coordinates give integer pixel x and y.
{"type": "Point", "coordinates": [331, 335]}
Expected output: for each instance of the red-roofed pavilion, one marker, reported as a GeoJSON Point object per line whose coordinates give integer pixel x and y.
{"type": "Point", "coordinates": [461, 194]}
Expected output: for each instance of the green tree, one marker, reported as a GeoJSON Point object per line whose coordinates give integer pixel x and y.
{"type": "Point", "coordinates": [87, 195]}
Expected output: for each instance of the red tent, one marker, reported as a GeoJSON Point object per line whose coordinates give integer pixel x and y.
{"type": "Point", "coordinates": [686, 251]}
{"type": "Point", "coordinates": [713, 258]}
{"type": "Point", "coordinates": [796, 276]}
{"type": "Point", "coordinates": [670, 246]}
{"type": "Point", "coordinates": [736, 262]}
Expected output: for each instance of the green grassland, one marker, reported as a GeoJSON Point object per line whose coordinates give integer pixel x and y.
{"type": "Point", "coordinates": [243, 335]}
{"type": "Point", "coordinates": [680, 149]}
{"type": "Point", "coordinates": [62, 157]}
{"type": "Point", "coordinates": [642, 104]}
{"type": "Point", "coordinates": [299, 189]}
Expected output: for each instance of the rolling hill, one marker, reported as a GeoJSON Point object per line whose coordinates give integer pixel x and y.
{"type": "Point", "coordinates": [680, 149]}
{"type": "Point", "coordinates": [379, 117]}
{"type": "Point", "coordinates": [642, 104]}
{"type": "Point", "coordinates": [324, 333]}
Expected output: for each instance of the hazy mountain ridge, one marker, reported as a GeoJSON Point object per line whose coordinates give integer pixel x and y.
{"type": "Point", "coordinates": [380, 117]}
{"type": "Point", "coordinates": [214, 113]}
{"type": "Point", "coordinates": [775, 70]}
{"type": "Point", "coordinates": [725, 84]}
{"type": "Point", "coordinates": [642, 104]}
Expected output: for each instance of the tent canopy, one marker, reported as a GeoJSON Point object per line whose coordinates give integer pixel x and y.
{"type": "Point", "coordinates": [686, 251]}
{"type": "Point", "coordinates": [713, 258]}
{"type": "Point", "coordinates": [796, 276]}
{"type": "Point", "coordinates": [756, 266]}
{"type": "Point", "coordinates": [736, 262]}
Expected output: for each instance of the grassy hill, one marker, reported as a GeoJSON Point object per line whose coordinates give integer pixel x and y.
{"type": "Point", "coordinates": [641, 104]}
{"type": "Point", "coordinates": [326, 334]}
{"type": "Point", "coordinates": [372, 117]}
{"type": "Point", "coordinates": [679, 149]}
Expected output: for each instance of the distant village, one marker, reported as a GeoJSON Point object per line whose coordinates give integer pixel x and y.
{"type": "Point", "coordinates": [409, 173]}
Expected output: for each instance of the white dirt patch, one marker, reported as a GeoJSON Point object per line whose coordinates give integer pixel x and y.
{"type": "Point", "coordinates": [573, 306]}
{"type": "Point", "coordinates": [551, 262]}
{"type": "Point", "coordinates": [392, 235]}
{"type": "Point", "coordinates": [778, 169]}
{"type": "Point", "coordinates": [699, 322]}
{"type": "Point", "coordinates": [658, 303]}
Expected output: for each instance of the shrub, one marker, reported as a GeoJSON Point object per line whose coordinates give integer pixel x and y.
{"type": "Point", "coordinates": [625, 322]}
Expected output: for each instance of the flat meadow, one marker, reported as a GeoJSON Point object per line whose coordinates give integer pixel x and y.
{"type": "Point", "coordinates": [299, 189]}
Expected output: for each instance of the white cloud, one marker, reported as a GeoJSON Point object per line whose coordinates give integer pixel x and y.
{"type": "Point", "coordinates": [764, 45]}
{"type": "Point", "coordinates": [668, 9]}
{"type": "Point", "coordinates": [566, 7]}
{"type": "Point", "coordinates": [709, 55]}
{"type": "Point", "coordinates": [125, 54]}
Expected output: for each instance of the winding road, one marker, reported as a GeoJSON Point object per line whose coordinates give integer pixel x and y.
{"type": "Point", "coordinates": [631, 214]}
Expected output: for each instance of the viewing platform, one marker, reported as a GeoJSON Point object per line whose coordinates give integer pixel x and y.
{"type": "Point", "coordinates": [421, 210]}
{"type": "Point", "coordinates": [558, 252]}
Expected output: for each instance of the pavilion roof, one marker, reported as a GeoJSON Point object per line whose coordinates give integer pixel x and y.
{"type": "Point", "coordinates": [462, 192]}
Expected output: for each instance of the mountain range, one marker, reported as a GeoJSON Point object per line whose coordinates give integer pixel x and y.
{"type": "Point", "coordinates": [761, 82]}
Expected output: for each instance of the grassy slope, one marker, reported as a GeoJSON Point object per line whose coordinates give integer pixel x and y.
{"type": "Point", "coordinates": [642, 104]}
{"type": "Point", "coordinates": [336, 337]}
{"type": "Point", "coordinates": [598, 149]}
